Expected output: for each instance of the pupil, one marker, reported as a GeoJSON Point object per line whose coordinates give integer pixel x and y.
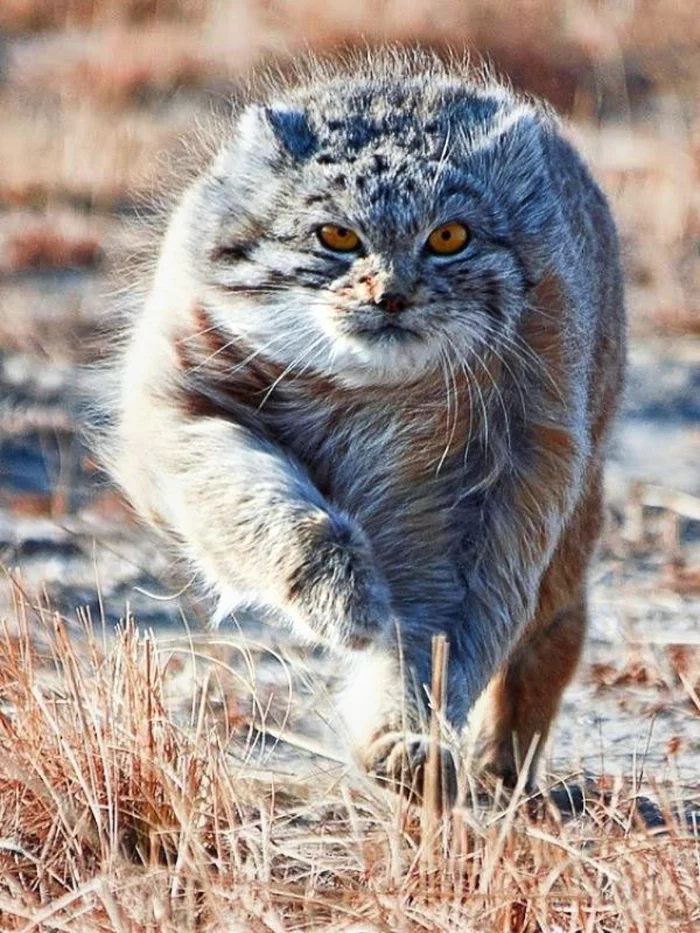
{"type": "Point", "coordinates": [342, 232]}
{"type": "Point", "coordinates": [445, 235]}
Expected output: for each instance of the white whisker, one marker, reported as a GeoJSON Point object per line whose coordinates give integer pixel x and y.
{"type": "Point", "coordinates": [471, 379]}
{"type": "Point", "coordinates": [288, 369]}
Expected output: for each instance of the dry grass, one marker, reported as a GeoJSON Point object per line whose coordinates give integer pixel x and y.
{"type": "Point", "coordinates": [119, 812]}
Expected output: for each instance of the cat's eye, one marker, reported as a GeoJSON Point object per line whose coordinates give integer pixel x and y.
{"type": "Point", "coordinates": [339, 239]}
{"type": "Point", "coordinates": [448, 239]}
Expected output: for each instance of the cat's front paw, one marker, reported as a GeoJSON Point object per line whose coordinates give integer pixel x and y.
{"type": "Point", "coordinates": [368, 620]}
{"type": "Point", "coordinates": [400, 760]}
{"type": "Point", "coordinates": [335, 590]}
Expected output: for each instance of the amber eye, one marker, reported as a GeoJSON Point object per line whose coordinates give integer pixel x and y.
{"type": "Point", "coordinates": [448, 239]}
{"type": "Point", "coordinates": [339, 239]}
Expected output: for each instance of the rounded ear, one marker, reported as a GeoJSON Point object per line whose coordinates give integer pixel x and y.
{"type": "Point", "coordinates": [275, 131]}
{"type": "Point", "coordinates": [513, 158]}
{"type": "Point", "coordinates": [264, 135]}
{"type": "Point", "coordinates": [292, 131]}
{"type": "Point", "coordinates": [520, 168]}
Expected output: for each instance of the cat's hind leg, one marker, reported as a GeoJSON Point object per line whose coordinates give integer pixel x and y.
{"type": "Point", "coordinates": [524, 696]}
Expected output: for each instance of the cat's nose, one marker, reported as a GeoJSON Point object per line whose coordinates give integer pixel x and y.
{"type": "Point", "coordinates": [393, 303]}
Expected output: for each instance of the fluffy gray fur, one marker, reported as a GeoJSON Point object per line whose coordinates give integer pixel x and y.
{"type": "Point", "coordinates": [369, 493]}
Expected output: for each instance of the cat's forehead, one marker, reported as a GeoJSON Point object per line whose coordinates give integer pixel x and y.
{"type": "Point", "coordinates": [358, 118]}
{"type": "Point", "coordinates": [378, 147]}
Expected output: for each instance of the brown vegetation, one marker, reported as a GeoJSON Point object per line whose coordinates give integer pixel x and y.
{"type": "Point", "coordinates": [45, 248]}
{"type": "Point", "coordinates": [120, 809]}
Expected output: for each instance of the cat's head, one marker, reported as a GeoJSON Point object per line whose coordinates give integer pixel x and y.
{"type": "Point", "coordinates": [368, 227]}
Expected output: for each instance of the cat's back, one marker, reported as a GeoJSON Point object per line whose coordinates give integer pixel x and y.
{"type": "Point", "coordinates": [589, 261]}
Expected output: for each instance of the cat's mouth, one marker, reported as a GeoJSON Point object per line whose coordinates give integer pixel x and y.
{"type": "Point", "coordinates": [386, 352]}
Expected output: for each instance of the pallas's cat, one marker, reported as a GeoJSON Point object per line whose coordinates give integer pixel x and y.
{"type": "Point", "coordinates": [370, 388]}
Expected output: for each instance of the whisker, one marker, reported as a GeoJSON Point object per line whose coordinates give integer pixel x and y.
{"type": "Point", "coordinates": [287, 369]}
{"type": "Point", "coordinates": [526, 356]}
{"type": "Point", "coordinates": [452, 418]}
{"type": "Point", "coordinates": [222, 349]}
{"type": "Point", "coordinates": [199, 333]}
{"type": "Point", "coordinates": [471, 379]}
{"type": "Point", "coordinates": [514, 377]}
{"type": "Point", "coordinates": [501, 400]}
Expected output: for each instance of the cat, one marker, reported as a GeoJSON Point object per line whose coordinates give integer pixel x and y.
{"type": "Point", "coordinates": [370, 390]}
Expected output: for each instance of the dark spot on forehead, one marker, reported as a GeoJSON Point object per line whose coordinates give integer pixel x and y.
{"type": "Point", "coordinates": [340, 180]}
{"type": "Point", "coordinates": [380, 163]}
{"type": "Point", "coordinates": [360, 132]}
{"type": "Point", "coordinates": [408, 114]}
{"type": "Point", "coordinates": [325, 158]}
{"type": "Point", "coordinates": [397, 96]}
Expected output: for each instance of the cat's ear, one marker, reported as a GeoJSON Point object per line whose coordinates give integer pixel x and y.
{"type": "Point", "coordinates": [272, 131]}
{"type": "Point", "coordinates": [292, 131]}
{"type": "Point", "coordinates": [520, 172]}
{"type": "Point", "coordinates": [512, 161]}
{"type": "Point", "coordinates": [261, 138]}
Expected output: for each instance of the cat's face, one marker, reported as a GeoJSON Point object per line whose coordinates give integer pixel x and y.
{"type": "Point", "coordinates": [372, 233]}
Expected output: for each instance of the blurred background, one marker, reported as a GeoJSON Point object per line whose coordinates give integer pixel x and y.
{"type": "Point", "coordinates": [96, 97]}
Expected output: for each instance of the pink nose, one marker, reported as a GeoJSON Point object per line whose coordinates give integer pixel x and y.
{"type": "Point", "coordinates": [392, 304]}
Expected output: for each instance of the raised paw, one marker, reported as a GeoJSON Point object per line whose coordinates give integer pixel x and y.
{"type": "Point", "coordinates": [400, 760]}
{"type": "Point", "coordinates": [335, 591]}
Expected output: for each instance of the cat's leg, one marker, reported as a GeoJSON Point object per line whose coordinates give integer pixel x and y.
{"type": "Point", "coordinates": [394, 721]}
{"type": "Point", "coordinates": [529, 674]}
{"type": "Point", "coordinates": [387, 709]}
{"type": "Point", "coordinates": [257, 529]}
{"type": "Point", "coordinates": [523, 698]}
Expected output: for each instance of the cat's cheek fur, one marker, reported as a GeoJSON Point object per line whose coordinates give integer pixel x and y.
{"type": "Point", "coordinates": [273, 325]}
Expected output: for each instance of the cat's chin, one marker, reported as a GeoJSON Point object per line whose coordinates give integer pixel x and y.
{"type": "Point", "coordinates": [358, 361]}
